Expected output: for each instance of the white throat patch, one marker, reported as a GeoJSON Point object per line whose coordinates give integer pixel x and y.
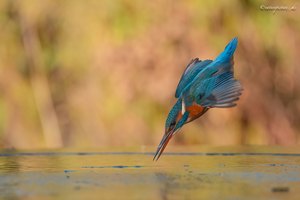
{"type": "Point", "coordinates": [183, 107]}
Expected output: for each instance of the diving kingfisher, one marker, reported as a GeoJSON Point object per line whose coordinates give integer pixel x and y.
{"type": "Point", "coordinates": [204, 84]}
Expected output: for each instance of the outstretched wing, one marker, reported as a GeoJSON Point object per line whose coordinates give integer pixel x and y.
{"type": "Point", "coordinates": [200, 84]}
{"type": "Point", "coordinates": [191, 71]}
{"type": "Point", "coordinates": [220, 91]}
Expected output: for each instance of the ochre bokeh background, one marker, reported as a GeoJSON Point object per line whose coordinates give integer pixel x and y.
{"type": "Point", "coordinates": [100, 73]}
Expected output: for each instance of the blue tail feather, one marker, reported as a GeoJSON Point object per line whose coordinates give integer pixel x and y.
{"type": "Point", "coordinates": [228, 52]}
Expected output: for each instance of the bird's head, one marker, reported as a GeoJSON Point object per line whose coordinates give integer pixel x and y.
{"type": "Point", "coordinates": [174, 122]}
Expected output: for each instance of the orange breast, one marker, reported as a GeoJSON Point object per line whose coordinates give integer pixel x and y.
{"type": "Point", "coordinates": [194, 109]}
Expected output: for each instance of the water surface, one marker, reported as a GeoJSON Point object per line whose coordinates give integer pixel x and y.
{"type": "Point", "coordinates": [130, 173]}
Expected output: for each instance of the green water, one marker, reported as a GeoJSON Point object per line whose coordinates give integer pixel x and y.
{"type": "Point", "coordinates": [181, 173]}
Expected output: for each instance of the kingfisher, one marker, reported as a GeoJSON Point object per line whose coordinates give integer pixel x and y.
{"type": "Point", "coordinates": [204, 84]}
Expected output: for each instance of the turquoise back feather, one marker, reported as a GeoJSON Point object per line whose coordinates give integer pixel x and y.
{"type": "Point", "coordinates": [191, 71]}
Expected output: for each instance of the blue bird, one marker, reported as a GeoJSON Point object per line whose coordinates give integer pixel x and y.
{"type": "Point", "coordinates": [203, 85]}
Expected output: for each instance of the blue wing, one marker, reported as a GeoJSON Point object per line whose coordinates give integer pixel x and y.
{"type": "Point", "coordinates": [223, 63]}
{"type": "Point", "coordinates": [219, 91]}
{"type": "Point", "coordinates": [215, 83]}
{"type": "Point", "coordinates": [191, 71]}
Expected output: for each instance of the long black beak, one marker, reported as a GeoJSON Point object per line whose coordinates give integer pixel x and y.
{"type": "Point", "coordinates": [162, 145]}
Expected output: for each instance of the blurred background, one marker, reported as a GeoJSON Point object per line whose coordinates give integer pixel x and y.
{"type": "Point", "coordinates": [103, 73]}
